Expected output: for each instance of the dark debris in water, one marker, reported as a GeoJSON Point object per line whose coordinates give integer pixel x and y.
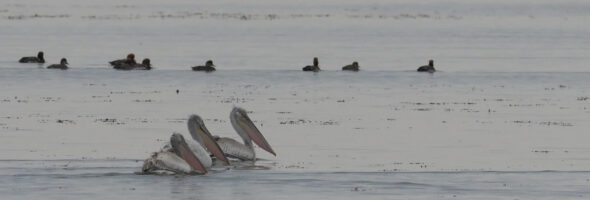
{"type": "Point", "coordinates": [358, 189]}
{"type": "Point", "coordinates": [50, 99]}
{"type": "Point", "coordinates": [438, 103]}
{"type": "Point", "coordinates": [176, 120]}
{"type": "Point", "coordinates": [111, 121]}
{"type": "Point", "coordinates": [143, 100]}
{"type": "Point", "coordinates": [526, 105]}
{"type": "Point", "coordinates": [112, 17]}
{"type": "Point", "coordinates": [124, 6]}
{"type": "Point", "coordinates": [235, 100]}
{"type": "Point", "coordinates": [217, 120]}
{"type": "Point", "coordinates": [65, 121]}
{"type": "Point", "coordinates": [543, 123]}
{"type": "Point", "coordinates": [303, 121]}
{"type": "Point", "coordinates": [23, 17]}
{"type": "Point", "coordinates": [241, 16]}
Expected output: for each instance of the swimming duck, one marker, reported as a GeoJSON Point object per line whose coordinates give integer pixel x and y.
{"type": "Point", "coordinates": [145, 65]}
{"type": "Point", "coordinates": [427, 68]}
{"type": "Point", "coordinates": [130, 60]}
{"type": "Point", "coordinates": [63, 64]}
{"type": "Point", "coordinates": [209, 67]}
{"type": "Point", "coordinates": [352, 67]}
{"type": "Point", "coordinates": [313, 68]}
{"type": "Point", "coordinates": [33, 59]}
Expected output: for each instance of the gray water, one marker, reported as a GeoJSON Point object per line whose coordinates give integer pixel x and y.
{"type": "Point", "coordinates": [66, 182]}
{"type": "Point", "coordinates": [505, 117]}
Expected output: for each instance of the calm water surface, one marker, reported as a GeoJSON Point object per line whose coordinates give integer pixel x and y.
{"type": "Point", "coordinates": [506, 116]}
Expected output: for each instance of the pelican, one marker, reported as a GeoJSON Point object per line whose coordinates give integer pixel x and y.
{"type": "Point", "coordinates": [248, 132]}
{"type": "Point", "coordinates": [185, 156]}
{"type": "Point", "coordinates": [177, 159]}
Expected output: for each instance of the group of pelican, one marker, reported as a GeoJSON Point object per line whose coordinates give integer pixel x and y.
{"type": "Point", "coordinates": [204, 151]}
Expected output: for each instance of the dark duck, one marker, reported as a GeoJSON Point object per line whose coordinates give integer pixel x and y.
{"type": "Point", "coordinates": [208, 67]}
{"type": "Point", "coordinates": [63, 64]}
{"type": "Point", "coordinates": [38, 59]}
{"type": "Point", "coordinates": [145, 65]}
{"type": "Point", "coordinates": [312, 68]}
{"type": "Point", "coordinates": [352, 67]}
{"type": "Point", "coordinates": [130, 60]}
{"type": "Point", "coordinates": [427, 68]}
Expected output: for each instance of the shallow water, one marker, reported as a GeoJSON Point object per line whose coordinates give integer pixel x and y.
{"type": "Point", "coordinates": [506, 117]}
{"type": "Point", "coordinates": [114, 179]}
{"type": "Point", "coordinates": [337, 134]}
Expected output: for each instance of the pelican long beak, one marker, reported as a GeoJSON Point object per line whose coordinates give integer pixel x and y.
{"type": "Point", "coordinates": [200, 133]}
{"type": "Point", "coordinates": [246, 124]}
{"type": "Point", "coordinates": [183, 151]}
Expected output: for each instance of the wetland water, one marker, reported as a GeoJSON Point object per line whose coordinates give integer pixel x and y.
{"type": "Point", "coordinates": [506, 116]}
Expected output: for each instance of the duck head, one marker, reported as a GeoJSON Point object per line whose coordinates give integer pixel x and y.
{"type": "Point", "coordinates": [209, 63]}
{"type": "Point", "coordinates": [40, 55]}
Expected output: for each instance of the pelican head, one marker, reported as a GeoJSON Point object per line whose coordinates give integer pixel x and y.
{"type": "Point", "coordinates": [247, 130]}
{"type": "Point", "coordinates": [182, 150]}
{"type": "Point", "coordinates": [199, 132]}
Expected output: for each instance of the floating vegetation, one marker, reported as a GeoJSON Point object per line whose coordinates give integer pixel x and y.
{"type": "Point", "coordinates": [543, 123]}
{"type": "Point", "coordinates": [65, 121]}
{"type": "Point", "coordinates": [234, 16]}
{"type": "Point", "coordinates": [23, 17]}
{"type": "Point", "coordinates": [111, 121]}
{"type": "Point", "coordinates": [235, 100]}
{"type": "Point", "coordinates": [143, 100]}
{"type": "Point", "coordinates": [439, 103]}
{"type": "Point", "coordinates": [303, 121]}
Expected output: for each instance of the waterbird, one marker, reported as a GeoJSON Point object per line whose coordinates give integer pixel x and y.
{"type": "Point", "coordinates": [145, 65]}
{"type": "Point", "coordinates": [427, 68]}
{"type": "Point", "coordinates": [208, 67]}
{"type": "Point", "coordinates": [313, 68]}
{"type": "Point", "coordinates": [186, 156]}
{"type": "Point", "coordinates": [33, 59]}
{"type": "Point", "coordinates": [352, 67]}
{"type": "Point", "coordinates": [63, 65]}
{"type": "Point", "coordinates": [244, 127]}
{"type": "Point", "coordinates": [130, 59]}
